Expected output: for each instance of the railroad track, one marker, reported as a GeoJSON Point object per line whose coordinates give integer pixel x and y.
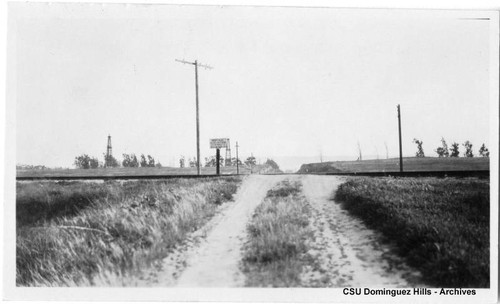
{"type": "Point", "coordinates": [455, 173]}
{"type": "Point", "coordinates": [115, 177]}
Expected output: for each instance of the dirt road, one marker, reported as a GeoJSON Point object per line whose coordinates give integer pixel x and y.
{"type": "Point", "coordinates": [347, 252]}
{"type": "Point", "coordinates": [214, 260]}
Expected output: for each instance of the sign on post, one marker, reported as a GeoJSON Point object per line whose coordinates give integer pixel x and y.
{"type": "Point", "coordinates": [219, 143]}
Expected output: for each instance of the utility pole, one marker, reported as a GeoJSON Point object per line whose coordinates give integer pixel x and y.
{"type": "Point", "coordinates": [237, 161]}
{"type": "Point", "coordinates": [196, 64]}
{"type": "Point", "coordinates": [109, 153]}
{"type": "Point", "coordinates": [228, 153]}
{"type": "Point", "coordinates": [400, 144]}
{"type": "Point", "coordinates": [217, 161]}
{"type": "Point", "coordinates": [360, 157]}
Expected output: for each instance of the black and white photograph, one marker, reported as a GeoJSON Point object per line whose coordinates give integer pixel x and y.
{"type": "Point", "coordinates": [242, 152]}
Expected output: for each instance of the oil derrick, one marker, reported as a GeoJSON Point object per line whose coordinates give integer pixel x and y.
{"type": "Point", "coordinates": [109, 154]}
{"type": "Point", "coordinates": [228, 154]}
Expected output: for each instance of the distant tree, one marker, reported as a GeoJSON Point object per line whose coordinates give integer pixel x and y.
{"type": "Point", "coordinates": [454, 150]}
{"type": "Point", "coordinates": [192, 163]}
{"type": "Point", "coordinates": [233, 162]}
{"type": "Point", "coordinates": [251, 161]}
{"type": "Point", "coordinates": [211, 162]}
{"type": "Point", "coordinates": [110, 161]}
{"type": "Point", "coordinates": [94, 163]}
{"type": "Point", "coordinates": [272, 164]}
{"type": "Point", "coordinates": [158, 165]}
{"type": "Point", "coordinates": [130, 161]}
{"type": "Point", "coordinates": [144, 162]}
{"type": "Point", "coordinates": [151, 161]}
{"type": "Point", "coordinates": [182, 162]}
{"type": "Point", "coordinates": [483, 151]}
{"type": "Point", "coordinates": [420, 150]}
{"type": "Point", "coordinates": [468, 149]}
{"type": "Point", "coordinates": [134, 162]}
{"type": "Point", "coordinates": [443, 150]}
{"type": "Point", "coordinates": [82, 161]}
{"type": "Point", "coordinates": [126, 160]}
{"type": "Point", "coordinates": [86, 162]}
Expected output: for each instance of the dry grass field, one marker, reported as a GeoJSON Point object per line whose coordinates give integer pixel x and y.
{"type": "Point", "coordinates": [392, 164]}
{"type": "Point", "coordinates": [85, 234]}
{"type": "Point", "coordinates": [440, 225]}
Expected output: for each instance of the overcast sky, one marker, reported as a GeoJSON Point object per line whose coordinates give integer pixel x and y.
{"type": "Point", "coordinates": [286, 81]}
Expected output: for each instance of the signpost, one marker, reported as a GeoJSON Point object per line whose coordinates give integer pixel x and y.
{"type": "Point", "coordinates": [217, 144]}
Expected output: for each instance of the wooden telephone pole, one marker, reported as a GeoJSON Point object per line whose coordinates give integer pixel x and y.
{"type": "Point", "coordinates": [400, 144]}
{"type": "Point", "coordinates": [196, 64]}
{"type": "Point", "coordinates": [237, 160]}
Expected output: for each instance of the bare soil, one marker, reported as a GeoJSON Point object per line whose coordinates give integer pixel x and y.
{"type": "Point", "coordinates": [345, 251]}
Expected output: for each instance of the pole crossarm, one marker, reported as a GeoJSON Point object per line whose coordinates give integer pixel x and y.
{"type": "Point", "coordinates": [195, 63]}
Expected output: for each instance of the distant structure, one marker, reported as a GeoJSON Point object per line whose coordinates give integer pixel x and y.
{"type": "Point", "coordinates": [109, 153]}
{"type": "Point", "coordinates": [360, 157]}
{"type": "Point", "coordinates": [228, 153]}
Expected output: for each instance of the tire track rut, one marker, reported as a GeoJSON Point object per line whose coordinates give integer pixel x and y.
{"type": "Point", "coordinates": [345, 251]}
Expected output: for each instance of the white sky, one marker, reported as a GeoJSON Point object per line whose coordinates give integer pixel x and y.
{"type": "Point", "coordinates": [286, 81]}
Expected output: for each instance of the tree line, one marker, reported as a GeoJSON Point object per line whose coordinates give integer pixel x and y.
{"type": "Point", "coordinates": [212, 162]}
{"type": "Point", "coordinates": [85, 161]}
{"type": "Point", "coordinates": [453, 151]}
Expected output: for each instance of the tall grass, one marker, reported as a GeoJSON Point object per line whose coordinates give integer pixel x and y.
{"type": "Point", "coordinates": [440, 225]}
{"type": "Point", "coordinates": [88, 234]}
{"type": "Point", "coordinates": [274, 254]}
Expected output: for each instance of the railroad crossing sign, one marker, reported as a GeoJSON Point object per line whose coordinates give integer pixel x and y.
{"type": "Point", "coordinates": [219, 143]}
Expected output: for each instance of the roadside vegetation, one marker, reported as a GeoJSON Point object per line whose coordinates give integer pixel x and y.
{"type": "Point", "coordinates": [440, 225]}
{"type": "Point", "coordinates": [392, 165]}
{"type": "Point", "coordinates": [276, 250]}
{"type": "Point", "coordinates": [84, 234]}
